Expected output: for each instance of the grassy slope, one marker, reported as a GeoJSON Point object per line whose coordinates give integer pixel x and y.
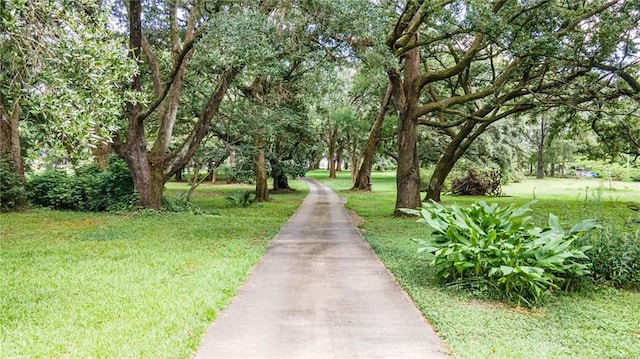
{"type": "Point", "coordinates": [133, 285]}
{"type": "Point", "coordinates": [604, 323]}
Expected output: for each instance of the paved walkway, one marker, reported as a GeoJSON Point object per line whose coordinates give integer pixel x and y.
{"type": "Point", "coordinates": [319, 291]}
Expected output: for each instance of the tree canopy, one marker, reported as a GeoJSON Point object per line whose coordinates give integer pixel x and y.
{"type": "Point", "coordinates": [169, 84]}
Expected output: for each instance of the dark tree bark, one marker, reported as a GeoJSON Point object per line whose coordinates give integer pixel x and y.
{"type": "Point", "coordinates": [262, 192]}
{"type": "Point", "coordinates": [332, 141]}
{"type": "Point", "coordinates": [339, 159]}
{"type": "Point", "coordinates": [363, 178]}
{"type": "Point", "coordinates": [280, 180]}
{"type": "Point", "coordinates": [10, 146]}
{"type": "Point", "coordinates": [407, 98]}
{"type": "Point", "coordinates": [407, 174]}
{"type": "Point", "coordinates": [452, 153]}
{"type": "Point", "coordinates": [540, 153]}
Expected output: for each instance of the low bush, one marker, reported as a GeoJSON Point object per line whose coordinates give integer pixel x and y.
{"type": "Point", "coordinates": [498, 252]}
{"type": "Point", "coordinates": [241, 199]}
{"type": "Point", "coordinates": [478, 183]}
{"type": "Point", "coordinates": [515, 176]}
{"type": "Point", "coordinates": [89, 189]}
{"type": "Point", "coordinates": [425, 177]}
{"type": "Point", "coordinates": [12, 194]}
{"type": "Point", "coordinates": [616, 257]}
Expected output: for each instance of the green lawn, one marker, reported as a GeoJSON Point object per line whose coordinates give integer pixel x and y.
{"type": "Point", "coordinates": [147, 285]}
{"type": "Point", "coordinates": [140, 285]}
{"type": "Point", "coordinates": [600, 323]}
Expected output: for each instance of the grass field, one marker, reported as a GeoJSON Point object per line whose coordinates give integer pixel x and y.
{"type": "Point", "coordinates": [577, 189]}
{"type": "Point", "coordinates": [598, 323]}
{"type": "Point", "coordinates": [139, 285]}
{"type": "Point", "coordinates": [146, 285]}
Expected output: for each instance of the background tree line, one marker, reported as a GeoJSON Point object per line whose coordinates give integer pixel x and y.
{"type": "Point", "coordinates": [275, 86]}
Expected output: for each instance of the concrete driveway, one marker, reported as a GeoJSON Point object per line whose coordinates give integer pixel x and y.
{"type": "Point", "coordinates": [319, 291]}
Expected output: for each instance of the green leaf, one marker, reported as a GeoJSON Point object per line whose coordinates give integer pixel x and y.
{"type": "Point", "coordinates": [554, 223]}
{"type": "Point", "coordinates": [585, 226]}
{"type": "Point", "coordinates": [506, 270]}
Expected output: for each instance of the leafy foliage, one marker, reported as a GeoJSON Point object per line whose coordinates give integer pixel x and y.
{"type": "Point", "coordinates": [241, 199]}
{"type": "Point", "coordinates": [616, 257]}
{"type": "Point", "coordinates": [499, 252]}
{"type": "Point", "coordinates": [182, 206]}
{"type": "Point", "coordinates": [88, 190]}
{"type": "Point", "coordinates": [11, 191]}
{"type": "Point", "coordinates": [65, 69]}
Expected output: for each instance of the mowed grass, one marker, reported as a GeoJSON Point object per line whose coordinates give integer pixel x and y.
{"type": "Point", "coordinates": [139, 285]}
{"type": "Point", "coordinates": [598, 323]}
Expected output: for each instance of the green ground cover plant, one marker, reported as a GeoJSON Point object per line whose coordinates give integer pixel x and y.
{"type": "Point", "coordinates": [498, 252]}
{"type": "Point", "coordinates": [597, 322]}
{"type": "Point", "coordinates": [615, 255]}
{"type": "Point", "coordinates": [131, 285]}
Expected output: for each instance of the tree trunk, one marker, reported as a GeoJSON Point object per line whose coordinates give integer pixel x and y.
{"type": "Point", "coordinates": [339, 153]}
{"type": "Point", "coordinates": [148, 180]}
{"type": "Point", "coordinates": [540, 154]}
{"type": "Point", "coordinates": [363, 179]}
{"type": "Point", "coordinates": [407, 175]}
{"type": "Point", "coordinates": [332, 152]}
{"type": "Point", "coordinates": [262, 192]}
{"type": "Point", "coordinates": [407, 94]}
{"type": "Point", "coordinates": [10, 146]}
{"type": "Point", "coordinates": [353, 167]}
{"type": "Point", "coordinates": [440, 173]}
{"type": "Point", "coordinates": [151, 169]}
{"type": "Point", "coordinates": [280, 180]}
{"type": "Point", "coordinates": [459, 144]}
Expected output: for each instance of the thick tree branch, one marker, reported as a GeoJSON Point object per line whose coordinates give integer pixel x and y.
{"type": "Point", "coordinates": [188, 46]}
{"type": "Point", "coordinates": [456, 100]}
{"type": "Point", "coordinates": [153, 64]}
{"type": "Point", "coordinates": [177, 159]}
{"type": "Point", "coordinates": [463, 62]}
{"type": "Point", "coordinates": [628, 78]}
{"type": "Point", "coordinates": [570, 26]}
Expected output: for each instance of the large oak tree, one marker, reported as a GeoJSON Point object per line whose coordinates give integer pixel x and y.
{"type": "Point", "coordinates": [468, 64]}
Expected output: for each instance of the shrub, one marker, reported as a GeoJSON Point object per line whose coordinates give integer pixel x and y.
{"type": "Point", "coordinates": [53, 189]}
{"type": "Point", "coordinates": [89, 189]}
{"type": "Point", "coordinates": [425, 177]}
{"type": "Point", "coordinates": [616, 257]}
{"type": "Point", "coordinates": [12, 194]}
{"type": "Point", "coordinates": [182, 206]}
{"type": "Point", "coordinates": [515, 176]}
{"type": "Point", "coordinates": [478, 184]}
{"type": "Point", "coordinates": [500, 253]}
{"type": "Point", "coordinates": [241, 199]}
